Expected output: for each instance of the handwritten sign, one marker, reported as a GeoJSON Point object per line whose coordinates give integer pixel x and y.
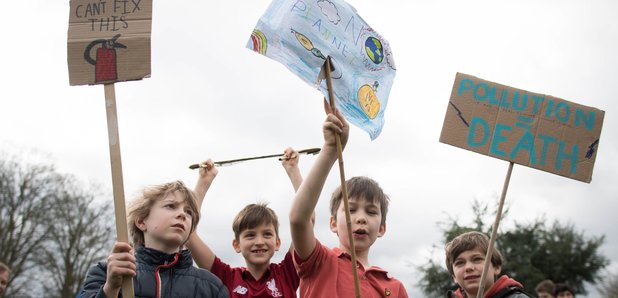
{"type": "Point", "coordinates": [535, 130]}
{"type": "Point", "coordinates": [300, 34]}
{"type": "Point", "coordinates": [109, 41]}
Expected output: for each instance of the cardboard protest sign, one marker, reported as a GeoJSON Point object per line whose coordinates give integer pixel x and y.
{"type": "Point", "coordinates": [300, 34]}
{"type": "Point", "coordinates": [109, 41]}
{"type": "Point", "coordinates": [530, 129]}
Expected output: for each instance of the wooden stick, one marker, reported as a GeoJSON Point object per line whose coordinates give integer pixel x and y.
{"type": "Point", "coordinates": [231, 161]}
{"type": "Point", "coordinates": [122, 232]}
{"type": "Point", "coordinates": [494, 230]}
{"type": "Point", "coordinates": [344, 188]}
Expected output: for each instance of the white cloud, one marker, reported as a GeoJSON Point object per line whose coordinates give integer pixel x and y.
{"type": "Point", "coordinates": [330, 11]}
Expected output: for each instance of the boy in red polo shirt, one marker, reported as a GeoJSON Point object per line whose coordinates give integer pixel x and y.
{"type": "Point", "coordinates": [256, 237]}
{"type": "Point", "coordinates": [326, 272]}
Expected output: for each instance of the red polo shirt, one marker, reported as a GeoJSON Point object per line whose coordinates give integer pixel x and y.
{"type": "Point", "coordinates": [328, 273]}
{"type": "Point", "coordinates": [279, 280]}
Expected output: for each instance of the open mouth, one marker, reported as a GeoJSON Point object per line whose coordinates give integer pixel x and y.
{"type": "Point", "coordinates": [471, 277]}
{"type": "Point", "coordinates": [180, 226]}
{"type": "Point", "coordinates": [259, 251]}
{"type": "Point", "coordinates": [361, 233]}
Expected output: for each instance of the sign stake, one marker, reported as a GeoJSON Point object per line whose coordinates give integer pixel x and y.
{"type": "Point", "coordinates": [122, 232]}
{"type": "Point", "coordinates": [494, 230]}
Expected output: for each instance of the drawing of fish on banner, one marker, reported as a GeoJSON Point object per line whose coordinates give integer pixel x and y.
{"type": "Point", "coordinates": [300, 34]}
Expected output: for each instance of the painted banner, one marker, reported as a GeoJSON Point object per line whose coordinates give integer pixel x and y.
{"type": "Point", "coordinates": [530, 129]}
{"type": "Point", "coordinates": [109, 41]}
{"type": "Point", "coordinates": [300, 34]}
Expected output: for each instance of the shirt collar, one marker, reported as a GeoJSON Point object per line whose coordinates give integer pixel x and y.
{"type": "Point", "coordinates": [343, 254]}
{"type": "Point", "coordinates": [247, 275]}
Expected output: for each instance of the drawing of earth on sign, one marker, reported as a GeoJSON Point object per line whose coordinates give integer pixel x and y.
{"type": "Point", "coordinates": [259, 42]}
{"type": "Point", "coordinates": [368, 100]}
{"type": "Point", "coordinates": [374, 50]}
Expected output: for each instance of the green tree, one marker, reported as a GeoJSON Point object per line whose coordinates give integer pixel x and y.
{"type": "Point", "coordinates": [532, 252]}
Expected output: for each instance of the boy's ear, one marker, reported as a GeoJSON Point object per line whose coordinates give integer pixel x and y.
{"type": "Point", "coordinates": [236, 245]}
{"type": "Point", "coordinates": [497, 270]}
{"type": "Point", "coordinates": [277, 244]}
{"type": "Point", "coordinates": [333, 224]}
{"type": "Point", "coordinates": [382, 230]}
{"type": "Point", "coordinates": [140, 224]}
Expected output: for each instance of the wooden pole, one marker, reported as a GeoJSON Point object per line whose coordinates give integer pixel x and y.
{"type": "Point", "coordinates": [494, 230]}
{"type": "Point", "coordinates": [344, 188]}
{"type": "Point", "coordinates": [122, 232]}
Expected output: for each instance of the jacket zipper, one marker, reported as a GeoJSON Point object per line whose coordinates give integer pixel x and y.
{"type": "Point", "coordinates": [158, 276]}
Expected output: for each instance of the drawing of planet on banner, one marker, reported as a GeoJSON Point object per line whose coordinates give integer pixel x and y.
{"type": "Point", "coordinates": [368, 100]}
{"type": "Point", "coordinates": [373, 47]}
{"type": "Point", "coordinates": [259, 42]}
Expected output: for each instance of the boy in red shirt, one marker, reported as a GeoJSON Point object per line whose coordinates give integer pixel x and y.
{"type": "Point", "coordinates": [256, 237]}
{"type": "Point", "coordinates": [326, 272]}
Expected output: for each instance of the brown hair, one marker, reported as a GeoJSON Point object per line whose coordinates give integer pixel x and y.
{"type": "Point", "coordinates": [563, 287]}
{"type": "Point", "coordinates": [252, 216]}
{"type": "Point", "coordinates": [361, 188]}
{"type": "Point", "coordinates": [140, 207]}
{"type": "Point", "coordinates": [470, 241]}
{"type": "Point", "coordinates": [546, 286]}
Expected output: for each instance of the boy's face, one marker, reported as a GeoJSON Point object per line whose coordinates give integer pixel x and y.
{"type": "Point", "coordinates": [366, 220]}
{"type": "Point", "coordinates": [258, 244]}
{"type": "Point", "coordinates": [168, 225]}
{"type": "Point", "coordinates": [4, 280]}
{"type": "Point", "coordinates": [468, 267]}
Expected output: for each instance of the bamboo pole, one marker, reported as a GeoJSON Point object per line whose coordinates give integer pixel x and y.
{"type": "Point", "coordinates": [344, 188]}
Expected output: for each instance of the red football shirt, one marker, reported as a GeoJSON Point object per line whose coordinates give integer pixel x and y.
{"type": "Point", "coordinates": [279, 280]}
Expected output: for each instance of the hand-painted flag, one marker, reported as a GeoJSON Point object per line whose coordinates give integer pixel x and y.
{"type": "Point", "coordinates": [300, 34]}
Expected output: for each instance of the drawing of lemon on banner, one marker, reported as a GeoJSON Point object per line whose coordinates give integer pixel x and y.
{"type": "Point", "coordinates": [368, 100]}
{"type": "Point", "coordinates": [259, 42]}
{"type": "Point", "coordinates": [307, 44]}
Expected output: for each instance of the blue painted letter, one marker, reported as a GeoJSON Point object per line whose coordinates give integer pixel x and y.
{"type": "Point", "coordinates": [472, 132]}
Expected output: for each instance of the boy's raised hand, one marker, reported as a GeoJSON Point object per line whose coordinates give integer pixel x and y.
{"type": "Point", "coordinates": [207, 174]}
{"type": "Point", "coordinates": [303, 206]}
{"type": "Point", "coordinates": [209, 171]}
{"type": "Point", "coordinates": [202, 254]}
{"type": "Point", "coordinates": [289, 161]}
{"type": "Point", "coordinates": [334, 124]}
{"type": "Point", "coordinates": [120, 264]}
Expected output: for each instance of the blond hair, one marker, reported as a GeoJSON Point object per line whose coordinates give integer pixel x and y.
{"type": "Point", "coordinates": [4, 268]}
{"type": "Point", "coordinates": [141, 205]}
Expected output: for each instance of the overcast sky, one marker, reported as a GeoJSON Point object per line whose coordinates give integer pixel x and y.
{"type": "Point", "coordinates": [209, 96]}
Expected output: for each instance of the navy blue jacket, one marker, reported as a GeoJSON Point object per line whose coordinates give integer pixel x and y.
{"type": "Point", "coordinates": [177, 276]}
